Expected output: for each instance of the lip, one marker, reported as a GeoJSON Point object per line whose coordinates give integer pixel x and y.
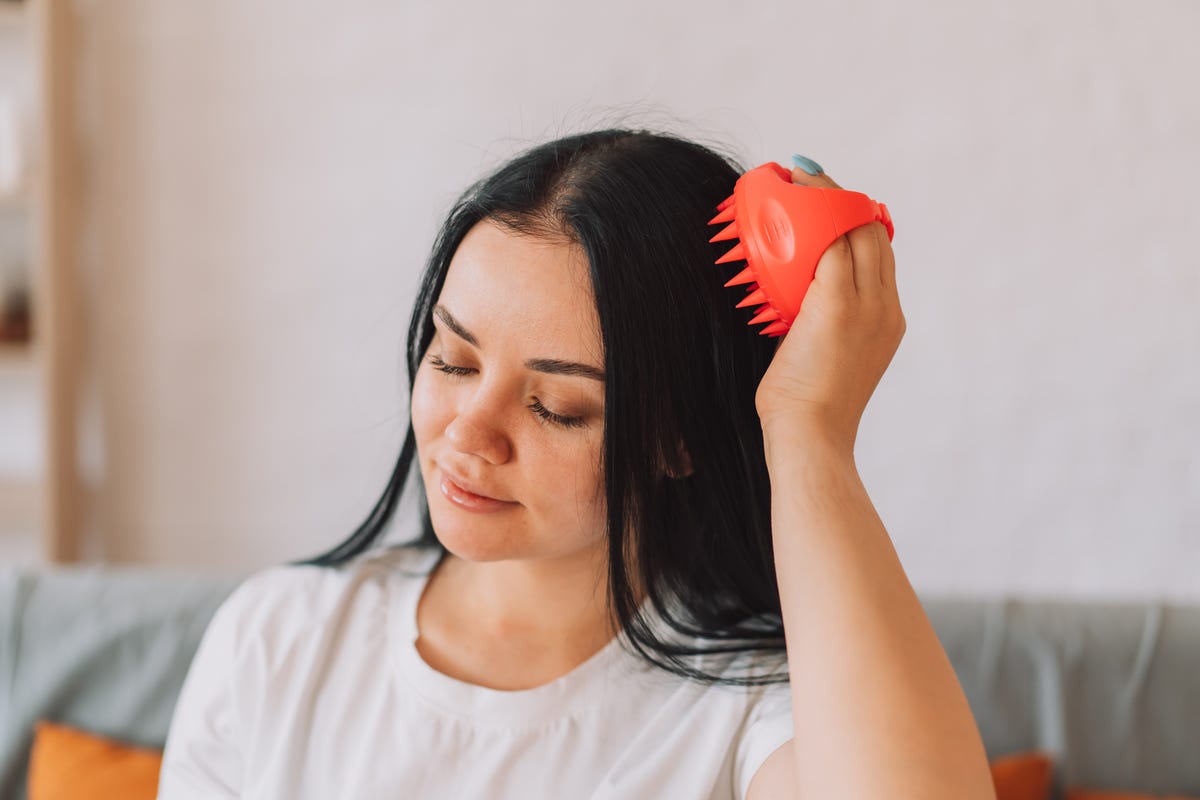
{"type": "Point", "coordinates": [457, 492]}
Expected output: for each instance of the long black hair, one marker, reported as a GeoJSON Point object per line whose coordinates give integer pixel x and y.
{"type": "Point", "coordinates": [682, 368]}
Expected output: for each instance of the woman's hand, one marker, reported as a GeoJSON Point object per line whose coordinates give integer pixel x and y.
{"type": "Point", "coordinates": [849, 326]}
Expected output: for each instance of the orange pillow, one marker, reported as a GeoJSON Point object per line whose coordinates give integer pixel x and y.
{"type": "Point", "coordinates": [1022, 776]}
{"type": "Point", "coordinates": [1093, 794]}
{"type": "Point", "coordinates": [69, 764]}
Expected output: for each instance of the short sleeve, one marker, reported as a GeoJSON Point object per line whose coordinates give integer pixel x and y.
{"type": "Point", "coordinates": [202, 757]}
{"type": "Point", "coordinates": [768, 727]}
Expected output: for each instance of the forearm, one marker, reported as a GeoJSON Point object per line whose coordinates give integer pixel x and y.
{"type": "Point", "coordinates": [877, 707]}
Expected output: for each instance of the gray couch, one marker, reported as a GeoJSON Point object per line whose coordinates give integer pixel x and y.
{"type": "Point", "coordinates": [1111, 690]}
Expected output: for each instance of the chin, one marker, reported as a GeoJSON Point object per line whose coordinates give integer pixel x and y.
{"type": "Point", "coordinates": [474, 537]}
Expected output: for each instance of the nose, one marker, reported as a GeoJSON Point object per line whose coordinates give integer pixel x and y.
{"type": "Point", "coordinates": [478, 430]}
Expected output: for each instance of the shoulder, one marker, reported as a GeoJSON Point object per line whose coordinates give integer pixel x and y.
{"type": "Point", "coordinates": [284, 601]}
{"type": "Point", "coordinates": [769, 725]}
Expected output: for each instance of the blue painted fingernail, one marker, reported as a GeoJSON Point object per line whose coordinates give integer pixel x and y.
{"type": "Point", "coordinates": [807, 164]}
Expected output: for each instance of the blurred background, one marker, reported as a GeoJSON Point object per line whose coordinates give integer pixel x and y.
{"type": "Point", "coordinates": [213, 217]}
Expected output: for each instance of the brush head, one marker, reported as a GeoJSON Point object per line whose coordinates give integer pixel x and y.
{"type": "Point", "coordinates": [781, 229]}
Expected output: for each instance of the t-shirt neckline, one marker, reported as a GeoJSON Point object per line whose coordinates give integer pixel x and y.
{"type": "Point", "coordinates": [563, 697]}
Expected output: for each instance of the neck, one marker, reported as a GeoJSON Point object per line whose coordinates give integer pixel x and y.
{"type": "Point", "coordinates": [526, 600]}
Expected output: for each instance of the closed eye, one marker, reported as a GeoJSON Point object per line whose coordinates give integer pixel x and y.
{"type": "Point", "coordinates": [557, 419]}
{"type": "Point", "coordinates": [536, 406]}
{"type": "Point", "coordinates": [449, 369]}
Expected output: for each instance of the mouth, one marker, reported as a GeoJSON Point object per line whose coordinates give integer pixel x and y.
{"type": "Point", "coordinates": [462, 493]}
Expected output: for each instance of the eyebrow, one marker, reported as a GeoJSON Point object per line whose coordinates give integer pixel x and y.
{"type": "Point", "coordinates": [552, 366]}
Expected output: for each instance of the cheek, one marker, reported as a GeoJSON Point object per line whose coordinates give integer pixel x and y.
{"type": "Point", "coordinates": [429, 407]}
{"type": "Point", "coordinates": [576, 474]}
{"type": "Point", "coordinates": [589, 499]}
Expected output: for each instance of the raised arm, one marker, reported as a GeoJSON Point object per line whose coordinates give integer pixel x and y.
{"type": "Point", "coordinates": [877, 707]}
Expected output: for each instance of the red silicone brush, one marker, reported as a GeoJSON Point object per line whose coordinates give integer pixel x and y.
{"type": "Point", "coordinates": [784, 229]}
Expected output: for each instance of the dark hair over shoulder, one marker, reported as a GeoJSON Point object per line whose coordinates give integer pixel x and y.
{"type": "Point", "coordinates": [682, 367]}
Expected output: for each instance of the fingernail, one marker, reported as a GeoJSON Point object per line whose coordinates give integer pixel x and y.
{"type": "Point", "coordinates": [807, 164]}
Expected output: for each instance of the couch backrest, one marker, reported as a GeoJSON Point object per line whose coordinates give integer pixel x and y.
{"type": "Point", "coordinates": [1111, 690]}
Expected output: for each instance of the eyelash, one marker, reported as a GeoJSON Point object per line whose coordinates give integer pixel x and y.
{"type": "Point", "coordinates": [536, 406]}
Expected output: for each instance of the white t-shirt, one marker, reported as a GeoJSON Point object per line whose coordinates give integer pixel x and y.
{"type": "Point", "coordinates": [308, 684]}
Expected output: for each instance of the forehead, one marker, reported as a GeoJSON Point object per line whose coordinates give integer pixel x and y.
{"type": "Point", "coordinates": [505, 286]}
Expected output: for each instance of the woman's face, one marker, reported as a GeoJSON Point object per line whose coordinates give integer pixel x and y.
{"type": "Point", "coordinates": [523, 419]}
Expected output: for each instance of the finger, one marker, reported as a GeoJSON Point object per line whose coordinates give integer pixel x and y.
{"type": "Point", "coordinates": [836, 265]}
{"type": "Point", "coordinates": [887, 258]}
{"type": "Point", "coordinates": [804, 179]}
{"type": "Point", "coordinates": [836, 269]}
{"type": "Point", "coordinates": [865, 251]}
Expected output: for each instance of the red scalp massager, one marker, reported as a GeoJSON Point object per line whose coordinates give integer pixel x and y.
{"type": "Point", "coordinates": [784, 229]}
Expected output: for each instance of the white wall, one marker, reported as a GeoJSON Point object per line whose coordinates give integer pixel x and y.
{"type": "Point", "coordinates": [264, 181]}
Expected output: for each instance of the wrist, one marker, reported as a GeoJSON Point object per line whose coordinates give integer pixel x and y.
{"type": "Point", "coordinates": [790, 438]}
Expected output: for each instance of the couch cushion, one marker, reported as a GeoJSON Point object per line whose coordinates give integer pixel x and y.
{"type": "Point", "coordinates": [101, 649]}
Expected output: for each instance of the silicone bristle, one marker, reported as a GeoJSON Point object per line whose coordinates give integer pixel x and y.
{"type": "Point", "coordinates": [753, 299]}
{"type": "Point", "coordinates": [775, 329]}
{"type": "Point", "coordinates": [770, 315]}
{"type": "Point", "coordinates": [726, 203]}
{"type": "Point", "coordinates": [726, 215]}
{"type": "Point", "coordinates": [737, 253]}
{"type": "Point", "coordinates": [745, 276]}
{"type": "Point", "coordinates": [728, 232]}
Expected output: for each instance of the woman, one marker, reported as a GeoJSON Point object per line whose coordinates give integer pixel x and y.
{"type": "Point", "coordinates": [634, 509]}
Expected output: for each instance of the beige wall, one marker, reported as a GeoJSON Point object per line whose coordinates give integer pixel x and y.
{"type": "Point", "coordinates": [263, 182]}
